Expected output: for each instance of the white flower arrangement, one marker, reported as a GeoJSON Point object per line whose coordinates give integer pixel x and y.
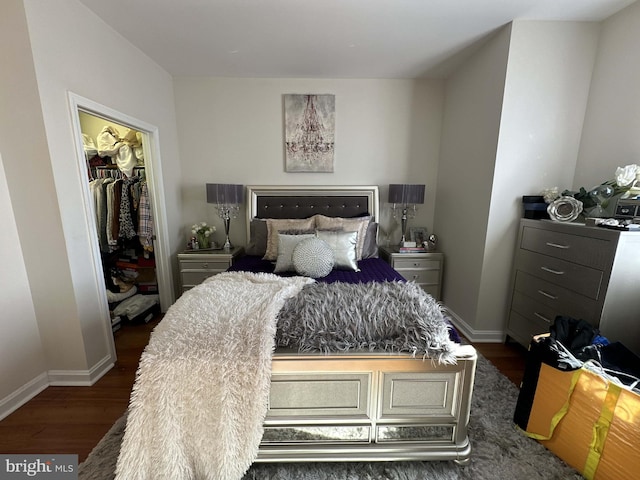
{"type": "Point", "coordinates": [596, 200]}
{"type": "Point", "coordinates": [202, 229]}
{"type": "Point", "coordinates": [628, 175]}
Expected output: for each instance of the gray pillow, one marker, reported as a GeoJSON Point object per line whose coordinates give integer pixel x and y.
{"type": "Point", "coordinates": [370, 249]}
{"type": "Point", "coordinates": [257, 237]}
{"type": "Point", "coordinates": [313, 258]}
{"type": "Point", "coordinates": [344, 245]}
{"type": "Point", "coordinates": [286, 245]}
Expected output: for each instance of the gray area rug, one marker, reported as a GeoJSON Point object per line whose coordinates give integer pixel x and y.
{"type": "Point", "coordinates": [499, 450]}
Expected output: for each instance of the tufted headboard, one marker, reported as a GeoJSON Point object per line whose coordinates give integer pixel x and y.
{"type": "Point", "coordinates": [305, 201]}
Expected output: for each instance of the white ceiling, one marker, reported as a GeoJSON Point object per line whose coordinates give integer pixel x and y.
{"type": "Point", "coordinates": [324, 38]}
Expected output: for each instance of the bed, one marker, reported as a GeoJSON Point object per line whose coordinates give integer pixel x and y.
{"type": "Point", "coordinates": [358, 406]}
{"type": "Point", "coordinates": [328, 397]}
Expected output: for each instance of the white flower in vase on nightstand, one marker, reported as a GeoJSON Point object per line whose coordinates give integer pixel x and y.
{"type": "Point", "coordinates": [203, 233]}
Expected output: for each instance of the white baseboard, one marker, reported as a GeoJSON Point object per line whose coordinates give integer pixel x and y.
{"type": "Point", "coordinates": [65, 378]}
{"type": "Point", "coordinates": [80, 378]}
{"type": "Point", "coordinates": [473, 335]}
{"type": "Point", "coordinates": [22, 395]}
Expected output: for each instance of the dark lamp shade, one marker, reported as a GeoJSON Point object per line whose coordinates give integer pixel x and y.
{"type": "Point", "coordinates": [225, 193]}
{"type": "Point", "coordinates": [406, 194]}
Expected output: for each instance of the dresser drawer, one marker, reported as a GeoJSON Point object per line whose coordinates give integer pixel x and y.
{"type": "Point", "coordinates": [421, 276]}
{"type": "Point", "coordinates": [421, 263]}
{"type": "Point", "coordinates": [578, 278]}
{"type": "Point", "coordinates": [591, 252]}
{"type": "Point", "coordinates": [559, 298]}
{"type": "Point", "coordinates": [191, 278]}
{"type": "Point", "coordinates": [217, 265]}
{"type": "Point", "coordinates": [538, 312]}
{"type": "Point", "coordinates": [523, 329]}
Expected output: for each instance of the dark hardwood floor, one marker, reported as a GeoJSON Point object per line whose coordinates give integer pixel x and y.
{"type": "Point", "coordinates": [73, 419]}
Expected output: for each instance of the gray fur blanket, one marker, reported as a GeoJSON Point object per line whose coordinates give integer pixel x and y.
{"type": "Point", "coordinates": [391, 316]}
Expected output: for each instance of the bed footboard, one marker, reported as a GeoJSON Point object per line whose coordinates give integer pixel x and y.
{"type": "Point", "coordinates": [367, 407]}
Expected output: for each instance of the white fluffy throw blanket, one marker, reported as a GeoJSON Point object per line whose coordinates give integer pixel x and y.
{"type": "Point", "coordinates": [201, 390]}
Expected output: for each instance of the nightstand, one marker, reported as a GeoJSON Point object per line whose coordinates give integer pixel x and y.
{"type": "Point", "coordinates": [198, 265]}
{"type": "Point", "coordinates": [424, 268]}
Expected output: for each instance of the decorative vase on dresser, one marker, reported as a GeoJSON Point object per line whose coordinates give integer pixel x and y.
{"type": "Point", "coordinates": [579, 271]}
{"type": "Point", "coordinates": [198, 265]}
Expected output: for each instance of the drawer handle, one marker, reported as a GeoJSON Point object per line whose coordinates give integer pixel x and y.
{"type": "Point", "coordinates": [542, 317]}
{"type": "Point", "coordinates": [415, 277]}
{"type": "Point", "coordinates": [550, 270]}
{"type": "Point", "coordinates": [557, 245]}
{"type": "Point", "coordinates": [416, 264]}
{"type": "Point", "coordinates": [548, 295]}
{"type": "Point", "coordinates": [205, 265]}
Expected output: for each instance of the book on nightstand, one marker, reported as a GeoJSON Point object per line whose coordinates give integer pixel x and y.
{"type": "Point", "coordinates": [412, 250]}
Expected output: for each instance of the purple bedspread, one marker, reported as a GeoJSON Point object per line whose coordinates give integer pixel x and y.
{"type": "Point", "coordinates": [371, 270]}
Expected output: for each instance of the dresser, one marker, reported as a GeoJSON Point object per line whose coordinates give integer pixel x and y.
{"type": "Point", "coordinates": [584, 272]}
{"type": "Point", "coordinates": [198, 265]}
{"type": "Point", "coordinates": [423, 268]}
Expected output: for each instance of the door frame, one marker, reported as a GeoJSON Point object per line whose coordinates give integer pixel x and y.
{"type": "Point", "coordinates": [153, 173]}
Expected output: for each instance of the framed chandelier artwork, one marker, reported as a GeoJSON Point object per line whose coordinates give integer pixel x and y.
{"type": "Point", "coordinates": [309, 132]}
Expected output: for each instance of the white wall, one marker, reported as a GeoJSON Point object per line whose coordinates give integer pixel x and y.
{"type": "Point", "coordinates": [20, 340]}
{"type": "Point", "coordinates": [70, 50]}
{"type": "Point", "coordinates": [471, 124]}
{"type": "Point", "coordinates": [231, 131]}
{"type": "Point", "coordinates": [611, 135]}
{"type": "Point", "coordinates": [529, 87]}
{"type": "Point", "coordinates": [37, 297]}
{"type": "Point", "coordinates": [546, 90]}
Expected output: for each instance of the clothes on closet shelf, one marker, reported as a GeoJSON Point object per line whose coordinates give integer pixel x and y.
{"type": "Point", "coordinates": [90, 149]}
{"type": "Point", "coordinates": [125, 151]}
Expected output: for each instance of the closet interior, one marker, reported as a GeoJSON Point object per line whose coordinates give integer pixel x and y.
{"type": "Point", "coordinates": [122, 207]}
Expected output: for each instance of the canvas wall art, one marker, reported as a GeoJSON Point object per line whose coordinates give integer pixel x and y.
{"type": "Point", "coordinates": [309, 124]}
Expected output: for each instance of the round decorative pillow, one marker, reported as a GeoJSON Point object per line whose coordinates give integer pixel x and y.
{"type": "Point", "coordinates": [313, 258]}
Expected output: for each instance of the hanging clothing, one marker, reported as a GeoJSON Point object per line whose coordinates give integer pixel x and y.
{"type": "Point", "coordinates": [100, 207]}
{"type": "Point", "coordinates": [101, 213]}
{"type": "Point", "coordinates": [145, 220]}
{"type": "Point", "coordinates": [127, 228]}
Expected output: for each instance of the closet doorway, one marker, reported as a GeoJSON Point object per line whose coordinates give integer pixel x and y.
{"type": "Point", "coordinates": [129, 243]}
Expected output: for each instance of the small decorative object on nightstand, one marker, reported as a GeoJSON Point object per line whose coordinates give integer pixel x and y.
{"type": "Point", "coordinates": [424, 268]}
{"type": "Point", "coordinates": [196, 266]}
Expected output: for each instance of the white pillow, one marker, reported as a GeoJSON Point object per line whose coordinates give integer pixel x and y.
{"type": "Point", "coordinates": [343, 245]}
{"type": "Point", "coordinates": [357, 224]}
{"type": "Point", "coordinates": [313, 257]}
{"type": "Point", "coordinates": [286, 245]}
